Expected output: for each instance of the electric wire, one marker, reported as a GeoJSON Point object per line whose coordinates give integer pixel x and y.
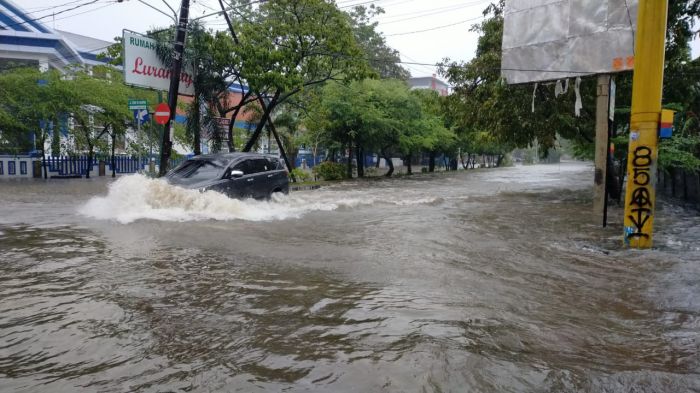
{"type": "Point", "coordinates": [43, 8]}
{"type": "Point", "coordinates": [424, 13]}
{"type": "Point", "coordinates": [435, 28]}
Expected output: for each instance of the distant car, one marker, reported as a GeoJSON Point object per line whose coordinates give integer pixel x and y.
{"type": "Point", "coordinates": [237, 175]}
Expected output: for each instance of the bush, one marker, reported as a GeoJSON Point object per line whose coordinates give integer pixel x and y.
{"type": "Point", "coordinates": [301, 175]}
{"type": "Point", "coordinates": [330, 170]}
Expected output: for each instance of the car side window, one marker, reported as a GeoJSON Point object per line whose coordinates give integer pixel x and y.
{"type": "Point", "coordinates": [242, 166]}
{"type": "Point", "coordinates": [260, 165]}
{"type": "Point", "coordinates": [274, 164]}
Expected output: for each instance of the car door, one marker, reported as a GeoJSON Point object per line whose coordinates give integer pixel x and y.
{"type": "Point", "coordinates": [241, 187]}
{"type": "Point", "coordinates": [260, 167]}
{"type": "Point", "coordinates": [276, 176]}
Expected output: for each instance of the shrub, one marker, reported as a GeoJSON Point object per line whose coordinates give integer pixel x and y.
{"type": "Point", "coordinates": [330, 170]}
{"type": "Point", "coordinates": [301, 175]}
{"type": "Point", "coordinates": [507, 160]}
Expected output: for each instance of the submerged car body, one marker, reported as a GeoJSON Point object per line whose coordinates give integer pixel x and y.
{"type": "Point", "coordinates": [237, 175]}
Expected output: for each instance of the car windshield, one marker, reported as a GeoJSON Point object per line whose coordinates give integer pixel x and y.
{"type": "Point", "coordinates": [194, 171]}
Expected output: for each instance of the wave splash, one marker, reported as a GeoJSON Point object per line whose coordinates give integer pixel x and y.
{"type": "Point", "coordinates": [136, 197]}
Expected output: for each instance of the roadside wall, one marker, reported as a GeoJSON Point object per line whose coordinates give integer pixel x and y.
{"type": "Point", "coordinates": [16, 167]}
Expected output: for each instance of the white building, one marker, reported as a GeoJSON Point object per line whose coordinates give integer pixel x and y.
{"type": "Point", "coordinates": [25, 41]}
{"type": "Point", "coordinates": [430, 82]}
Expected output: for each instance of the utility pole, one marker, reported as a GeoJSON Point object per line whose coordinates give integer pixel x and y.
{"type": "Point", "coordinates": [601, 145]}
{"type": "Point", "coordinates": [178, 49]}
{"type": "Point", "coordinates": [642, 157]}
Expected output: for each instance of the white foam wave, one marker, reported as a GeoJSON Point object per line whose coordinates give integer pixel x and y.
{"type": "Point", "coordinates": [135, 197]}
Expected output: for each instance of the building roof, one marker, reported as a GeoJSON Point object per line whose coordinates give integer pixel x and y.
{"type": "Point", "coordinates": [85, 43]}
{"type": "Point", "coordinates": [426, 80]}
{"type": "Point", "coordinates": [23, 37]}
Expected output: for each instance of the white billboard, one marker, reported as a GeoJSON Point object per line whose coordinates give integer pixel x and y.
{"type": "Point", "coordinates": [555, 39]}
{"type": "Point", "coordinates": [143, 68]}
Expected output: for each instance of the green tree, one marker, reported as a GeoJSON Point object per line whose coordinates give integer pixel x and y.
{"type": "Point", "coordinates": [484, 102]}
{"type": "Point", "coordinates": [25, 107]}
{"type": "Point", "coordinates": [382, 116]}
{"type": "Point", "coordinates": [97, 106]}
{"type": "Point", "coordinates": [285, 47]}
{"type": "Point", "coordinates": [384, 60]}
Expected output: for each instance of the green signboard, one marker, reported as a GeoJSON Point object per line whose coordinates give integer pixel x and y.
{"type": "Point", "coordinates": [138, 104]}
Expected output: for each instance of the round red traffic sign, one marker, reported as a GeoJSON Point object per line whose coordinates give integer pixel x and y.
{"type": "Point", "coordinates": [162, 114]}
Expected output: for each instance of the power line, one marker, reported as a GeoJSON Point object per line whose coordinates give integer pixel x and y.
{"type": "Point", "coordinates": [87, 11]}
{"type": "Point", "coordinates": [435, 28]}
{"type": "Point", "coordinates": [42, 8]}
{"type": "Point", "coordinates": [423, 13]}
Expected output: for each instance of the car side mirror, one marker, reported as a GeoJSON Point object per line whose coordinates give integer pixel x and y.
{"type": "Point", "coordinates": [236, 173]}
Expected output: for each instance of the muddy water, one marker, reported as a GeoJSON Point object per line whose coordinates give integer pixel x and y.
{"type": "Point", "coordinates": [486, 281]}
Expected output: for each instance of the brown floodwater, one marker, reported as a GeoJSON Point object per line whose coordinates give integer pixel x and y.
{"type": "Point", "coordinates": [495, 280]}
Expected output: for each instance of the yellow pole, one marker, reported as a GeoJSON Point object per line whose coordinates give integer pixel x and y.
{"type": "Point", "coordinates": [647, 86]}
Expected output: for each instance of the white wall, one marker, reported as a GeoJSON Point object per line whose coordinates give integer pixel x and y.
{"type": "Point", "coordinates": [20, 163]}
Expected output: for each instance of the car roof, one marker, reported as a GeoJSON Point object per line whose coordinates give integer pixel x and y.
{"type": "Point", "coordinates": [230, 157]}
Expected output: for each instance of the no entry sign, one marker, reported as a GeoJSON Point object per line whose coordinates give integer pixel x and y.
{"type": "Point", "coordinates": [162, 114]}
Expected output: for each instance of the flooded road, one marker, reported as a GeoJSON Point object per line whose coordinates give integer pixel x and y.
{"type": "Point", "coordinates": [487, 281]}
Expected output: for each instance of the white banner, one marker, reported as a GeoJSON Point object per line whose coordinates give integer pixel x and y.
{"type": "Point", "coordinates": [142, 67]}
{"type": "Point", "coordinates": [547, 40]}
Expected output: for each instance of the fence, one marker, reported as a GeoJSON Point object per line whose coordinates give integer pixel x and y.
{"type": "Point", "coordinates": [16, 166]}
{"type": "Point", "coordinates": [308, 160]}
{"type": "Point", "coordinates": [68, 166]}
{"type": "Point", "coordinates": [681, 184]}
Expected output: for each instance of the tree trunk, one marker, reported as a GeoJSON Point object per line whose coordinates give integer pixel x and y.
{"type": "Point", "coordinates": [89, 163]}
{"type": "Point", "coordinates": [431, 161]}
{"type": "Point", "coordinates": [265, 118]}
{"type": "Point", "coordinates": [114, 169]}
{"type": "Point", "coordinates": [407, 162]}
{"type": "Point", "coordinates": [349, 150]}
{"type": "Point", "coordinates": [56, 142]}
{"type": "Point", "coordinates": [290, 165]}
{"type": "Point", "coordinates": [453, 164]}
{"type": "Point", "coordinates": [389, 163]}
{"type": "Point", "coordinates": [360, 161]}
{"type": "Point", "coordinates": [43, 156]}
{"type": "Point", "coordinates": [197, 125]}
{"type": "Point", "coordinates": [231, 145]}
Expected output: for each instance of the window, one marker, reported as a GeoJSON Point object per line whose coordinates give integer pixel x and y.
{"type": "Point", "coordinates": [198, 170]}
{"type": "Point", "coordinates": [243, 166]}
{"type": "Point", "coordinates": [11, 170]}
{"type": "Point", "coordinates": [2, 172]}
{"type": "Point", "coordinates": [275, 164]}
{"type": "Point", "coordinates": [23, 167]}
{"type": "Point", "coordinates": [260, 165]}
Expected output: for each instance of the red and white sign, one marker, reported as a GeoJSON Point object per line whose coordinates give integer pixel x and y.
{"type": "Point", "coordinates": [162, 114]}
{"type": "Point", "coordinates": [142, 66]}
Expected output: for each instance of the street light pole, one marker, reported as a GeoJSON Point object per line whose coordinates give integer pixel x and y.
{"type": "Point", "coordinates": [178, 49]}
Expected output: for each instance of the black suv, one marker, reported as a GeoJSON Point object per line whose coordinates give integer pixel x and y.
{"type": "Point", "coordinates": [237, 175]}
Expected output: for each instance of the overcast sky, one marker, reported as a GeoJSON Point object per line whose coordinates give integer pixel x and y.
{"type": "Point", "coordinates": [424, 31]}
